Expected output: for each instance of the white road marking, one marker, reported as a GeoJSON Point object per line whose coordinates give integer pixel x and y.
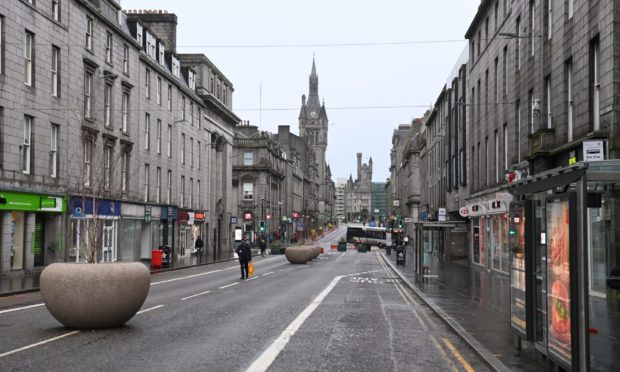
{"type": "Point", "coordinates": [38, 344]}
{"type": "Point", "coordinates": [195, 295]}
{"type": "Point", "coordinates": [149, 309]}
{"type": "Point", "coordinates": [252, 278]}
{"type": "Point", "coordinates": [269, 273]}
{"type": "Point", "coordinates": [229, 285]}
{"type": "Point", "coordinates": [265, 360]}
{"type": "Point", "coordinates": [342, 255]}
{"type": "Point", "coordinates": [208, 272]}
{"type": "Point", "coordinates": [21, 308]}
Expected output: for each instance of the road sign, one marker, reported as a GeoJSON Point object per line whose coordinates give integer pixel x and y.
{"type": "Point", "coordinates": [464, 212]}
{"type": "Point", "coordinates": [441, 214]}
{"type": "Point", "coordinates": [233, 220]}
{"type": "Point", "coordinates": [408, 220]}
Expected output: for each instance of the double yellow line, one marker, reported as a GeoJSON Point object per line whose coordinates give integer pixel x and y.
{"type": "Point", "coordinates": [428, 324]}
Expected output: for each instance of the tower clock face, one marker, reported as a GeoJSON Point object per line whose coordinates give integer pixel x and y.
{"type": "Point", "coordinates": [313, 114]}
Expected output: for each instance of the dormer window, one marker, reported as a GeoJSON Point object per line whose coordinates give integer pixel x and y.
{"type": "Point", "coordinates": [191, 80]}
{"type": "Point", "coordinates": [161, 52]}
{"type": "Point", "coordinates": [139, 31]}
{"type": "Point", "coordinates": [176, 67]}
{"type": "Point", "coordinates": [151, 44]}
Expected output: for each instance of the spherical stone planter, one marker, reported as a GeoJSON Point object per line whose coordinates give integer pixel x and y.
{"type": "Point", "coordinates": [93, 296]}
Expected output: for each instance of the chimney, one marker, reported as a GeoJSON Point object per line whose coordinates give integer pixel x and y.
{"type": "Point", "coordinates": [159, 22]}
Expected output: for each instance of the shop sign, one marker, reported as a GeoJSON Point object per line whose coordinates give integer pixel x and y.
{"type": "Point", "coordinates": [233, 220]}
{"type": "Point", "coordinates": [147, 213]}
{"type": "Point", "coordinates": [199, 217]}
{"type": "Point", "coordinates": [593, 151]}
{"type": "Point", "coordinates": [15, 201]}
{"type": "Point", "coordinates": [441, 214]}
{"type": "Point", "coordinates": [183, 217]}
{"type": "Point", "coordinates": [464, 212]}
{"type": "Point", "coordinates": [503, 196]}
{"type": "Point", "coordinates": [558, 279]}
{"type": "Point", "coordinates": [190, 218]}
{"type": "Point", "coordinates": [408, 220]}
{"type": "Point", "coordinates": [247, 216]}
{"type": "Point", "coordinates": [103, 207]}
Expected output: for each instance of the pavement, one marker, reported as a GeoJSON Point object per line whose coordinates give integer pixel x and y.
{"type": "Point", "coordinates": [477, 302]}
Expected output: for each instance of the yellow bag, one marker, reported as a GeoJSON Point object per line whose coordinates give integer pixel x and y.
{"type": "Point", "coordinates": [251, 268]}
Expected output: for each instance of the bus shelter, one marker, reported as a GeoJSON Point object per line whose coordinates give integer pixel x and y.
{"type": "Point", "coordinates": [429, 246]}
{"type": "Point", "coordinates": [564, 236]}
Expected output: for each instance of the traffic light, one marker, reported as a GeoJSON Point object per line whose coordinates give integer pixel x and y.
{"type": "Point", "coordinates": [400, 224]}
{"type": "Point", "coordinates": [261, 226]}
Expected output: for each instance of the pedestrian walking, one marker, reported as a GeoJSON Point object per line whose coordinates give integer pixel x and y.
{"type": "Point", "coordinates": [198, 246]}
{"type": "Point", "coordinates": [245, 256]}
{"type": "Point", "coordinates": [262, 244]}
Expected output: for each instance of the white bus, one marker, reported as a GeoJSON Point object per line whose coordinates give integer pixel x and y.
{"type": "Point", "coordinates": [379, 236]}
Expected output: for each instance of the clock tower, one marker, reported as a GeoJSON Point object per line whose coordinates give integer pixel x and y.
{"type": "Point", "coordinates": [313, 125]}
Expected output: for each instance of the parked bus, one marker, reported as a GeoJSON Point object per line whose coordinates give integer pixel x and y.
{"type": "Point", "coordinates": [379, 236]}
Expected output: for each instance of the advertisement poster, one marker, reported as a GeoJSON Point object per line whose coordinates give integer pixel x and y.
{"type": "Point", "coordinates": [558, 279]}
{"type": "Point", "coordinates": [517, 268]}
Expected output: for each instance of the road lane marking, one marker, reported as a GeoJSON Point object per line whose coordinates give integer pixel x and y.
{"type": "Point", "coordinates": [21, 308]}
{"type": "Point", "coordinates": [229, 285]}
{"type": "Point", "coordinates": [458, 355]}
{"type": "Point", "coordinates": [38, 344]}
{"type": "Point", "coordinates": [195, 295]}
{"type": "Point", "coordinates": [443, 353]}
{"type": "Point", "coordinates": [269, 273]}
{"type": "Point", "coordinates": [252, 278]}
{"type": "Point", "coordinates": [265, 360]}
{"type": "Point", "coordinates": [342, 255]}
{"type": "Point", "coordinates": [149, 309]}
{"type": "Point", "coordinates": [208, 272]}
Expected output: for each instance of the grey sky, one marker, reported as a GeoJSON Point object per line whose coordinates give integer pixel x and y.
{"type": "Point", "coordinates": [349, 76]}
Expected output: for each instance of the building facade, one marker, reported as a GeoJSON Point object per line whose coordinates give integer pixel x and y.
{"type": "Point", "coordinates": [117, 138]}
{"type": "Point", "coordinates": [358, 193]}
{"type": "Point", "coordinates": [378, 202]}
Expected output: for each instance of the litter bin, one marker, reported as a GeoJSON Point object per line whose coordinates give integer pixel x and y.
{"type": "Point", "coordinates": [156, 258]}
{"type": "Point", "coordinates": [167, 255]}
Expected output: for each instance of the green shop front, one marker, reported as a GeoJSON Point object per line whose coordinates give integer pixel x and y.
{"type": "Point", "coordinates": [564, 237]}
{"type": "Point", "coordinates": [32, 226]}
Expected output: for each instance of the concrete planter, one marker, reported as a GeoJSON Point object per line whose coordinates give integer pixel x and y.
{"type": "Point", "coordinates": [93, 296]}
{"type": "Point", "coordinates": [301, 254]}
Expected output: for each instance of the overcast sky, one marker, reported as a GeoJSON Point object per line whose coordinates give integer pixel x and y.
{"type": "Point", "coordinates": [270, 44]}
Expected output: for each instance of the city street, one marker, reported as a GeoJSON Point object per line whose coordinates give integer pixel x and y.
{"type": "Point", "coordinates": [342, 311]}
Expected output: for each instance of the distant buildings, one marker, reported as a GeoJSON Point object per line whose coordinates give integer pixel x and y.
{"type": "Point", "coordinates": [358, 192]}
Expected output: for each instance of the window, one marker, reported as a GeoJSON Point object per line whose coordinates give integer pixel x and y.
{"type": "Point", "coordinates": [518, 129]}
{"type": "Point", "coordinates": [159, 90]}
{"type": "Point", "coordinates": [28, 64]}
{"type": "Point", "coordinates": [595, 83]}
{"type": "Point", "coordinates": [549, 18]}
{"type": "Point", "coordinates": [125, 59]}
{"type": "Point", "coordinates": [147, 83]}
{"type": "Point", "coordinates": [147, 131]}
{"type": "Point", "coordinates": [569, 8]}
{"type": "Point", "coordinates": [191, 193]}
{"type": "Point", "coordinates": [479, 42]}
{"type": "Point", "coordinates": [198, 202]}
{"type": "Point", "coordinates": [125, 112]}
{"type": "Point", "coordinates": [1, 43]}
{"type": "Point", "coordinates": [158, 186]}
{"type": "Point", "coordinates": [169, 141]}
{"type": "Point", "coordinates": [88, 148]}
{"type": "Point", "coordinates": [54, 70]}
{"type": "Point", "coordinates": [248, 158]}
{"type": "Point", "coordinates": [532, 26]}
{"type": "Point", "coordinates": [191, 113]}
{"type": "Point", "coordinates": [191, 152]}
{"type": "Point", "coordinates": [124, 172]}
{"type": "Point", "coordinates": [531, 100]}
{"type": "Point", "coordinates": [569, 98]}
{"type": "Point", "coordinates": [248, 191]}
{"type": "Point", "coordinates": [495, 81]}
{"type": "Point", "coordinates": [486, 161]}
{"type": "Point", "coordinates": [496, 144]}
{"type": "Point", "coordinates": [56, 10]}
{"type": "Point", "coordinates": [505, 71]}
{"type": "Point", "coordinates": [169, 187]}
{"type": "Point", "coordinates": [495, 14]}
{"type": "Point", "coordinates": [169, 97]}
{"type": "Point", "coordinates": [224, 96]}
{"type": "Point", "coordinates": [518, 42]}
{"type": "Point", "coordinates": [183, 108]}
{"type": "Point", "coordinates": [89, 33]}
{"type": "Point", "coordinates": [505, 135]}
{"type": "Point", "coordinates": [158, 144]}
{"type": "Point", "coordinates": [198, 159]}
{"type": "Point", "coordinates": [107, 164]}
{"type": "Point", "coordinates": [88, 86]}
{"type": "Point", "coordinates": [54, 151]}
{"type": "Point", "coordinates": [107, 104]}
{"type": "Point", "coordinates": [146, 182]}
{"type": "Point", "coordinates": [26, 145]}
{"type": "Point", "coordinates": [108, 47]}
{"type": "Point", "coordinates": [182, 191]}
{"type": "Point", "coordinates": [182, 148]}
{"type": "Point", "coordinates": [548, 102]}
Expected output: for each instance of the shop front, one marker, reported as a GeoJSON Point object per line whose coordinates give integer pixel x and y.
{"type": "Point", "coordinates": [31, 230]}
{"type": "Point", "coordinates": [489, 231]}
{"type": "Point", "coordinates": [191, 226]}
{"type": "Point", "coordinates": [93, 229]}
{"type": "Point", "coordinates": [564, 229]}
